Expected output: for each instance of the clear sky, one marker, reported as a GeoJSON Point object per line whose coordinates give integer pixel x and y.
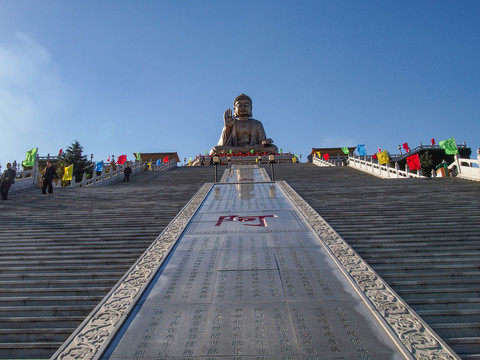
{"type": "Point", "coordinates": [156, 76]}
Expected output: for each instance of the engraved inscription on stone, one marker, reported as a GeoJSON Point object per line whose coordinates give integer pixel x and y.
{"type": "Point", "coordinates": [253, 284]}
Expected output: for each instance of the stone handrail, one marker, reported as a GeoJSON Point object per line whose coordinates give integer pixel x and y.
{"type": "Point", "coordinates": [323, 163]}
{"type": "Point", "coordinates": [382, 171]}
{"type": "Point", "coordinates": [467, 168]}
{"type": "Point", "coordinates": [108, 177]}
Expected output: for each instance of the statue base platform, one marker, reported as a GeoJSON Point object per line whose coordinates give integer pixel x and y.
{"type": "Point", "coordinates": [243, 150]}
{"type": "Point", "coordinates": [243, 159]}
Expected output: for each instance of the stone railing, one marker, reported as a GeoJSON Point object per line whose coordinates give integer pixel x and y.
{"type": "Point", "coordinates": [324, 163]}
{"type": "Point", "coordinates": [25, 180]}
{"type": "Point", "coordinates": [467, 168]}
{"type": "Point", "coordinates": [371, 166]}
{"type": "Point", "coordinates": [109, 176]}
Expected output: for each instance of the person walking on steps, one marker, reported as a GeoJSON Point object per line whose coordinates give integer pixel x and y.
{"type": "Point", "coordinates": [8, 178]}
{"type": "Point", "coordinates": [127, 172]}
{"type": "Point", "coordinates": [48, 176]}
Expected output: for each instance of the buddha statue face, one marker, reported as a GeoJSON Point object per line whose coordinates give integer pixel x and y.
{"type": "Point", "coordinates": [242, 106]}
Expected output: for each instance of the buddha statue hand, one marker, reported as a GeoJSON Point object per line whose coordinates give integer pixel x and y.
{"type": "Point", "coordinates": [228, 118]}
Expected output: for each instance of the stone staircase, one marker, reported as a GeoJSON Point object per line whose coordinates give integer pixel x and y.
{"type": "Point", "coordinates": [420, 235]}
{"type": "Point", "coordinates": [62, 253]}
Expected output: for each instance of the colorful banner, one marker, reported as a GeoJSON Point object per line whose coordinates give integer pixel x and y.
{"type": "Point", "coordinates": [361, 149]}
{"type": "Point", "coordinates": [99, 166]}
{"type": "Point", "coordinates": [122, 159]}
{"type": "Point", "coordinates": [149, 165]}
{"type": "Point", "coordinates": [165, 159]}
{"type": "Point", "coordinates": [68, 173]}
{"type": "Point", "coordinates": [433, 141]}
{"type": "Point", "coordinates": [326, 156]}
{"type": "Point", "coordinates": [345, 150]}
{"type": "Point", "coordinates": [383, 157]}
{"type": "Point", "coordinates": [449, 145]}
{"type": "Point", "coordinates": [405, 146]}
{"type": "Point", "coordinates": [30, 158]}
{"type": "Point", "coordinates": [413, 162]}
{"type": "Point", "coordinates": [138, 156]}
{"type": "Point", "coordinates": [159, 162]}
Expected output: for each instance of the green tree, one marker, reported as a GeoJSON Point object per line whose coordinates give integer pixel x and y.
{"type": "Point", "coordinates": [426, 162]}
{"type": "Point", "coordinates": [81, 164]}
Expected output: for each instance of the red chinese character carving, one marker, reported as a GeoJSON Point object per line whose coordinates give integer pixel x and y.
{"type": "Point", "coordinates": [243, 219]}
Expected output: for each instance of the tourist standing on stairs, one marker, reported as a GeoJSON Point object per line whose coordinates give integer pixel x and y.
{"type": "Point", "coordinates": [127, 172]}
{"type": "Point", "coordinates": [49, 174]}
{"type": "Point", "coordinates": [8, 178]}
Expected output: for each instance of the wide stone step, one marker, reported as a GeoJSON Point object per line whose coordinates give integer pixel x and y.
{"type": "Point", "coordinates": [29, 322]}
{"type": "Point", "coordinates": [30, 350]}
{"type": "Point", "coordinates": [45, 311]}
{"type": "Point", "coordinates": [34, 335]}
{"type": "Point", "coordinates": [38, 300]}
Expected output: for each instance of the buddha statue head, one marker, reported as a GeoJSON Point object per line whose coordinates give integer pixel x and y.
{"type": "Point", "coordinates": [242, 106]}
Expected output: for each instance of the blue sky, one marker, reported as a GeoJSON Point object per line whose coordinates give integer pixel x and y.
{"type": "Point", "coordinates": [155, 76]}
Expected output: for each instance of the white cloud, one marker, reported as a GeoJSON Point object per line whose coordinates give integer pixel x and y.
{"type": "Point", "coordinates": [32, 97]}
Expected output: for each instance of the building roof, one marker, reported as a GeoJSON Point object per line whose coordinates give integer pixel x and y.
{"type": "Point", "coordinates": [146, 157]}
{"type": "Point", "coordinates": [333, 151]}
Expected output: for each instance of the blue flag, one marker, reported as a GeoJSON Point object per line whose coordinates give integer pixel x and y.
{"type": "Point", "coordinates": [99, 166]}
{"type": "Point", "coordinates": [361, 149]}
{"type": "Point", "coordinates": [159, 162]}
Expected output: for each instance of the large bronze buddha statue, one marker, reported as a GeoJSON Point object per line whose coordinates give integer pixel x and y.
{"type": "Point", "coordinates": [241, 133]}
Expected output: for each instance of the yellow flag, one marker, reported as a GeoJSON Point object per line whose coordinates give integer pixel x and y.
{"type": "Point", "coordinates": [383, 157]}
{"type": "Point", "coordinates": [68, 173]}
{"type": "Point", "coordinates": [319, 154]}
{"type": "Point", "coordinates": [149, 166]}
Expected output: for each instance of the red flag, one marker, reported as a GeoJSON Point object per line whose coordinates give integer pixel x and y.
{"type": "Point", "coordinates": [379, 150]}
{"type": "Point", "coordinates": [108, 160]}
{"type": "Point", "coordinates": [60, 152]}
{"type": "Point", "coordinates": [405, 146]}
{"type": "Point", "coordinates": [121, 159]}
{"type": "Point", "coordinates": [326, 156]}
{"type": "Point", "coordinates": [165, 159]}
{"type": "Point", "coordinates": [414, 162]}
{"type": "Point", "coordinates": [374, 156]}
{"type": "Point", "coordinates": [433, 141]}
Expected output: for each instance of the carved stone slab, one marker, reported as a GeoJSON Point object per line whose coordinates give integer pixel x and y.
{"type": "Point", "coordinates": [244, 280]}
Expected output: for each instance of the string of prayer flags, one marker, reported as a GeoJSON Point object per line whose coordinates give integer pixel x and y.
{"type": "Point", "coordinates": [99, 166]}
{"type": "Point", "coordinates": [383, 157]}
{"type": "Point", "coordinates": [68, 174]}
{"type": "Point", "coordinates": [449, 145]}
{"type": "Point", "coordinates": [30, 158]}
{"type": "Point", "coordinates": [413, 162]}
{"type": "Point", "coordinates": [345, 150]}
{"type": "Point", "coordinates": [122, 159]}
{"type": "Point", "coordinates": [361, 149]}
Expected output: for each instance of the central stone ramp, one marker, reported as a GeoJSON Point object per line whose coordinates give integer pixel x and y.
{"type": "Point", "coordinates": [250, 279]}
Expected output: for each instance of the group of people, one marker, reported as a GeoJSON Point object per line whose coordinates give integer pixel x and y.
{"type": "Point", "coordinates": [9, 175]}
